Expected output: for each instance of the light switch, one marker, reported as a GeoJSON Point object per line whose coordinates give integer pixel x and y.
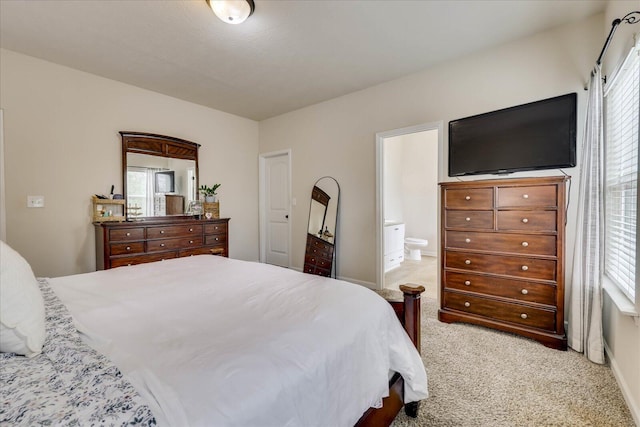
{"type": "Point", "coordinates": [35, 201]}
{"type": "Point", "coordinates": [294, 201]}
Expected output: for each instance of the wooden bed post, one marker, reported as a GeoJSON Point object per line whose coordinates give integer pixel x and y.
{"type": "Point", "coordinates": [412, 313]}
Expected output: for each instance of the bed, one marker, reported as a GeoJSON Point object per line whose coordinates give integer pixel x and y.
{"type": "Point", "coordinates": [213, 341]}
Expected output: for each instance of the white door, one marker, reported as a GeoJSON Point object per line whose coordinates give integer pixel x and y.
{"type": "Point", "coordinates": [276, 209]}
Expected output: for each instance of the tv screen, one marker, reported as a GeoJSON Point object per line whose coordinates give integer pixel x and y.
{"type": "Point", "coordinates": [165, 182]}
{"type": "Point", "coordinates": [538, 135]}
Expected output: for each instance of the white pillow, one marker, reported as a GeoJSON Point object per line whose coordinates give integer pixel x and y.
{"type": "Point", "coordinates": [21, 305]}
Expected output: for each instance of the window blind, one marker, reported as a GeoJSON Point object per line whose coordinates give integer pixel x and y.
{"type": "Point", "coordinates": [622, 105]}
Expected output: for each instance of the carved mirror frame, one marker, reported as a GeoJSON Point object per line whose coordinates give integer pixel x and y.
{"type": "Point", "coordinates": [157, 145]}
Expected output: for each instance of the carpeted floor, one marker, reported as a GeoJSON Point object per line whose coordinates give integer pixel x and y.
{"type": "Point", "coordinates": [481, 377]}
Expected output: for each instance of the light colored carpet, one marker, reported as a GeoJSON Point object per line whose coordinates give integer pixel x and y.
{"type": "Point", "coordinates": [423, 272]}
{"type": "Point", "coordinates": [481, 377]}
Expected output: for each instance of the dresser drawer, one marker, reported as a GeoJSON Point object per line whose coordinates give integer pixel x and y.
{"type": "Point", "coordinates": [311, 269]}
{"type": "Point", "coordinates": [170, 244]}
{"type": "Point", "coordinates": [521, 290]}
{"type": "Point", "coordinates": [215, 239]}
{"type": "Point", "coordinates": [174, 231]}
{"type": "Point", "coordinates": [469, 219]}
{"type": "Point", "coordinates": [319, 246]}
{"type": "Point", "coordinates": [525, 244]}
{"type": "Point", "coordinates": [471, 198]}
{"type": "Point", "coordinates": [203, 250]}
{"type": "Point", "coordinates": [318, 262]}
{"type": "Point", "coordinates": [538, 196]}
{"type": "Point", "coordinates": [527, 221]}
{"type": "Point", "coordinates": [515, 313]}
{"type": "Point", "coordinates": [127, 248]}
{"type": "Point", "coordinates": [126, 234]}
{"type": "Point", "coordinates": [530, 268]}
{"type": "Point", "coordinates": [215, 228]}
{"type": "Point", "coordinates": [141, 259]}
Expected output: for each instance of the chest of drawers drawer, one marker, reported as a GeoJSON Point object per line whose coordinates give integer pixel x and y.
{"type": "Point", "coordinates": [531, 268]}
{"type": "Point", "coordinates": [172, 244]}
{"type": "Point", "coordinates": [520, 290]}
{"type": "Point", "coordinates": [537, 196]}
{"type": "Point", "coordinates": [525, 244]}
{"type": "Point", "coordinates": [127, 248]}
{"type": "Point", "coordinates": [525, 315]}
{"type": "Point", "coordinates": [174, 231]}
{"type": "Point", "coordinates": [215, 228]}
{"type": "Point", "coordinates": [319, 262]}
{"type": "Point", "coordinates": [215, 239]}
{"type": "Point", "coordinates": [544, 221]}
{"type": "Point", "coordinates": [126, 234]}
{"type": "Point", "coordinates": [141, 259]}
{"type": "Point", "coordinates": [471, 198]}
{"type": "Point", "coordinates": [482, 220]}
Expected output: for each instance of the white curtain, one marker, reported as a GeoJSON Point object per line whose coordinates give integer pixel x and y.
{"type": "Point", "coordinates": [585, 305]}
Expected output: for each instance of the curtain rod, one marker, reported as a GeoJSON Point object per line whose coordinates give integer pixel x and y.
{"type": "Point", "coordinates": [629, 18]}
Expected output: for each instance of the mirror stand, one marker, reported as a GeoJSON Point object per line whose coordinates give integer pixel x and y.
{"type": "Point", "coordinates": [320, 255]}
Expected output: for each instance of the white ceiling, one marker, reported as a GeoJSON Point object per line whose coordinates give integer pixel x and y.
{"type": "Point", "coordinates": [287, 55]}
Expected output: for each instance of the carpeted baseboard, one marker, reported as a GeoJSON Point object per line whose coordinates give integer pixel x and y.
{"type": "Point", "coordinates": [482, 377]}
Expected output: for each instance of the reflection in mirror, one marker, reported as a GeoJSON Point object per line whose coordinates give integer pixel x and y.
{"type": "Point", "coordinates": [320, 253]}
{"type": "Point", "coordinates": [160, 185]}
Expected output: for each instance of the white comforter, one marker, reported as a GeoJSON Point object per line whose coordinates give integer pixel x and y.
{"type": "Point", "coordinates": [210, 341]}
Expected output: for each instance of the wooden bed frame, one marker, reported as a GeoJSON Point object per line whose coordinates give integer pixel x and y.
{"type": "Point", "coordinates": [408, 311]}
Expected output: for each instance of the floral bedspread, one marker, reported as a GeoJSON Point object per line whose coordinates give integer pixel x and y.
{"type": "Point", "coordinates": [69, 383]}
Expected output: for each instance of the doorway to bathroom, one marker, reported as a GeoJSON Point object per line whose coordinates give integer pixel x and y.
{"type": "Point", "coordinates": [408, 171]}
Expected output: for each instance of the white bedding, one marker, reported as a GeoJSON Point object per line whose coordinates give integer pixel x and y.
{"type": "Point", "coordinates": [211, 341]}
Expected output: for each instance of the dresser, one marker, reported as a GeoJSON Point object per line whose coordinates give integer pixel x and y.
{"type": "Point", "coordinates": [318, 258]}
{"type": "Point", "coordinates": [502, 246]}
{"type": "Point", "coordinates": [393, 245]}
{"type": "Point", "coordinates": [128, 243]}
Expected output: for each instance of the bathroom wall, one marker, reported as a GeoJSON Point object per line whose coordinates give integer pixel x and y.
{"type": "Point", "coordinates": [411, 184]}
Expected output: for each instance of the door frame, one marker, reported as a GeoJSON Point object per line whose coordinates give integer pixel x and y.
{"type": "Point", "coordinates": [262, 189]}
{"type": "Point", "coordinates": [380, 137]}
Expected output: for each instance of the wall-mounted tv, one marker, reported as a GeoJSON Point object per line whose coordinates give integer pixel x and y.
{"type": "Point", "coordinates": [165, 182]}
{"type": "Point", "coordinates": [538, 135]}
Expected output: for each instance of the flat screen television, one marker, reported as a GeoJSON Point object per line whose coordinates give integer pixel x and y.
{"type": "Point", "coordinates": [165, 182]}
{"type": "Point", "coordinates": [537, 135]}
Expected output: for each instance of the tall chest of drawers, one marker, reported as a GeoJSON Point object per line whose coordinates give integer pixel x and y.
{"type": "Point", "coordinates": [503, 256]}
{"type": "Point", "coordinates": [128, 243]}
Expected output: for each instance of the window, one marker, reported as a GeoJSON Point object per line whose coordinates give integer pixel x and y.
{"type": "Point", "coordinates": [622, 102]}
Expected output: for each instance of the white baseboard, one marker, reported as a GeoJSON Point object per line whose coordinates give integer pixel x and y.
{"type": "Point", "coordinates": [429, 253]}
{"type": "Point", "coordinates": [626, 393]}
{"type": "Point", "coordinates": [369, 285]}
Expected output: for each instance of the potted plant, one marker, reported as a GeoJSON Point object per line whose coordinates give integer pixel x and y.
{"type": "Point", "coordinates": [209, 193]}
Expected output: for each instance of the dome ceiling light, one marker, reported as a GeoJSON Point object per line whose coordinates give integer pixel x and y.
{"type": "Point", "coordinates": [232, 11]}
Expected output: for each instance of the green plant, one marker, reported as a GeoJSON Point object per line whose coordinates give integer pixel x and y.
{"type": "Point", "coordinates": [209, 191]}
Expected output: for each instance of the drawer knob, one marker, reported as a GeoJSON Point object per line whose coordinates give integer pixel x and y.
{"type": "Point", "coordinates": [467, 219]}
{"type": "Point", "coordinates": [161, 231]}
{"type": "Point", "coordinates": [524, 315]}
{"type": "Point", "coordinates": [525, 244]}
{"type": "Point", "coordinates": [525, 220]}
{"type": "Point", "coordinates": [314, 251]}
{"type": "Point", "coordinates": [467, 261]}
{"type": "Point", "coordinates": [524, 292]}
{"type": "Point", "coordinates": [191, 241]}
{"type": "Point", "coordinates": [524, 268]}
{"type": "Point", "coordinates": [468, 198]}
{"type": "Point", "coordinates": [129, 265]}
{"type": "Point", "coordinates": [128, 248]}
{"type": "Point", "coordinates": [314, 260]}
{"type": "Point", "coordinates": [467, 282]}
{"type": "Point", "coordinates": [128, 234]}
{"type": "Point", "coordinates": [467, 240]}
{"type": "Point", "coordinates": [525, 196]}
{"type": "Point", "coordinates": [467, 304]}
{"type": "Point", "coordinates": [191, 229]}
{"type": "Point", "coordinates": [162, 245]}
{"type": "Point", "coordinates": [217, 238]}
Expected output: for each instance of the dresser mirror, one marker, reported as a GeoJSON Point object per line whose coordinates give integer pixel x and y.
{"type": "Point", "coordinates": [160, 174]}
{"type": "Point", "coordinates": [320, 251]}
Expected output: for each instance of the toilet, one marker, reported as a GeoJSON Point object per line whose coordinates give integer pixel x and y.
{"type": "Point", "coordinates": [414, 246]}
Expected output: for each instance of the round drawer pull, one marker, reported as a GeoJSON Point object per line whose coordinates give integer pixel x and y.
{"type": "Point", "coordinates": [524, 268]}
{"type": "Point", "coordinates": [524, 292]}
{"type": "Point", "coordinates": [525, 220]}
{"type": "Point", "coordinates": [128, 234]}
{"type": "Point", "coordinates": [129, 265]}
{"type": "Point", "coordinates": [467, 282]}
{"type": "Point", "coordinates": [525, 244]}
{"type": "Point", "coordinates": [525, 196]}
{"type": "Point", "coordinates": [162, 245]}
{"type": "Point", "coordinates": [217, 238]}
{"type": "Point", "coordinates": [467, 240]}
{"type": "Point", "coordinates": [467, 261]}
{"type": "Point", "coordinates": [313, 260]}
{"type": "Point", "coordinates": [128, 248]}
{"type": "Point", "coordinates": [191, 241]}
{"type": "Point", "coordinates": [191, 229]}
{"type": "Point", "coordinates": [161, 231]}
{"type": "Point", "coordinates": [314, 251]}
{"type": "Point", "coordinates": [467, 304]}
{"type": "Point", "coordinates": [467, 219]}
{"type": "Point", "coordinates": [524, 315]}
{"type": "Point", "coordinates": [468, 198]}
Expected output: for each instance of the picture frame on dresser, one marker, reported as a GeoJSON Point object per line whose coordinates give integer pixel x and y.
{"type": "Point", "coordinates": [502, 264]}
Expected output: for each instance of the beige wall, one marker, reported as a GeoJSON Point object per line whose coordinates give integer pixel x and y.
{"type": "Point", "coordinates": [337, 137]}
{"type": "Point", "coordinates": [61, 141]}
{"type": "Point", "coordinates": [622, 333]}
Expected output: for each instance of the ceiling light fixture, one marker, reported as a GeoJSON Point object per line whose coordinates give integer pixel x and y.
{"type": "Point", "coordinates": [232, 11]}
